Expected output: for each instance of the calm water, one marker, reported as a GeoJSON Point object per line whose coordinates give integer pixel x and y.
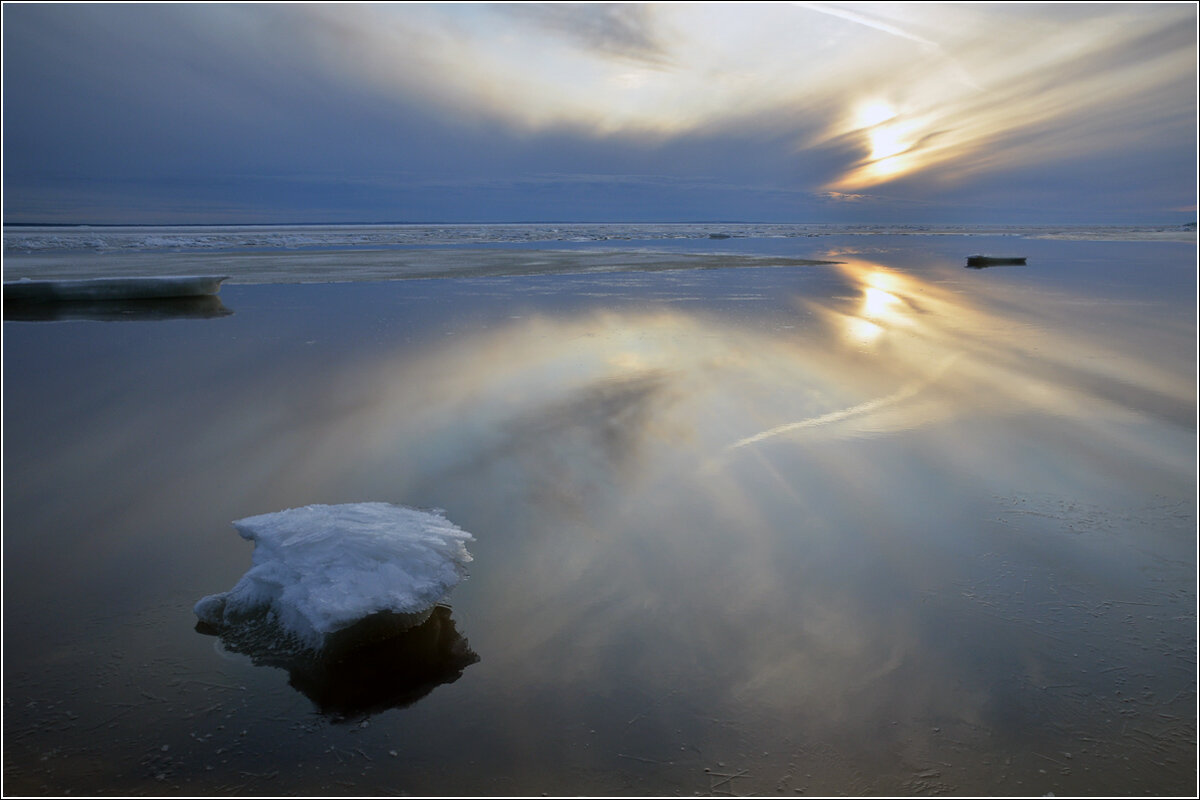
{"type": "Point", "coordinates": [885, 526]}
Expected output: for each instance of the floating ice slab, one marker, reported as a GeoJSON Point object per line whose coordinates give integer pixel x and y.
{"type": "Point", "coordinates": [152, 287]}
{"type": "Point", "coordinates": [319, 569]}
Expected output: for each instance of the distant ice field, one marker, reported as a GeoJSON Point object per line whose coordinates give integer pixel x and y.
{"type": "Point", "coordinates": [337, 253]}
{"type": "Point", "coordinates": [155, 238]}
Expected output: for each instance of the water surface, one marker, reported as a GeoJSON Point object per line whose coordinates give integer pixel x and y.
{"type": "Point", "coordinates": [886, 526]}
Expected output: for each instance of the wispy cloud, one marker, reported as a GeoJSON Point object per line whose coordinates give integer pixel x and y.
{"type": "Point", "coordinates": [929, 46]}
{"type": "Point", "coordinates": [626, 31]}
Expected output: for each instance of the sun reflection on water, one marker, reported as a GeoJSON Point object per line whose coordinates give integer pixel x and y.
{"type": "Point", "coordinates": [878, 303]}
{"type": "Point", "coordinates": [889, 352]}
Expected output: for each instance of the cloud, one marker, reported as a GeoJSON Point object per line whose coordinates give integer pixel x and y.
{"type": "Point", "coordinates": [1021, 86]}
{"type": "Point", "coordinates": [844, 197]}
{"type": "Point", "coordinates": [624, 31]}
{"type": "Point", "coordinates": [930, 47]}
{"type": "Point", "coordinates": [905, 103]}
{"type": "Point", "coordinates": [1049, 88]}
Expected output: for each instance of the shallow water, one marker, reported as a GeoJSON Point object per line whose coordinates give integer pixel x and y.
{"type": "Point", "coordinates": [888, 526]}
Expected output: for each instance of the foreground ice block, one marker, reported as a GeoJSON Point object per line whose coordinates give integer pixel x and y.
{"type": "Point", "coordinates": [322, 569]}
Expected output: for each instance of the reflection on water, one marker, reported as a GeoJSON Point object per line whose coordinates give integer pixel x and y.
{"type": "Point", "coordinates": [206, 307]}
{"type": "Point", "coordinates": [851, 529]}
{"type": "Point", "coordinates": [564, 402]}
{"type": "Point", "coordinates": [363, 672]}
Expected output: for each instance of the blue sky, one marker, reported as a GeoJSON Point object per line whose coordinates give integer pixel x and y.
{"type": "Point", "coordinates": [805, 112]}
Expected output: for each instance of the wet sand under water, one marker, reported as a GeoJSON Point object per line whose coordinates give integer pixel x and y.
{"type": "Point", "coordinates": [888, 526]}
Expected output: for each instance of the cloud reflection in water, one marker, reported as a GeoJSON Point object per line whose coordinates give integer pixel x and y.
{"type": "Point", "coordinates": [776, 503]}
{"type": "Point", "coordinates": [946, 513]}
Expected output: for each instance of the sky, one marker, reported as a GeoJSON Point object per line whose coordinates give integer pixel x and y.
{"type": "Point", "coordinates": [779, 112]}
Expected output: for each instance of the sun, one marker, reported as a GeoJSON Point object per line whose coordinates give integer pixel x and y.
{"type": "Point", "coordinates": [872, 113]}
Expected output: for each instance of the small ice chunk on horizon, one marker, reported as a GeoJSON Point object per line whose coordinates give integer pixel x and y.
{"type": "Point", "coordinates": [321, 568]}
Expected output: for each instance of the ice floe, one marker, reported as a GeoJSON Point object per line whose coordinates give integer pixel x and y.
{"type": "Point", "coordinates": [150, 287]}
{"type": "Point", "coordinates": [322, 569]}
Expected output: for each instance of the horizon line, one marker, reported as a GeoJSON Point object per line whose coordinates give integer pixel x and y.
{"type": "Point", "coordinates": [84, 224]}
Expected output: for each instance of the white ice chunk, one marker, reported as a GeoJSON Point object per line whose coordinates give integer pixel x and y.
{"type": "Point", "coordinates": [321, 568]}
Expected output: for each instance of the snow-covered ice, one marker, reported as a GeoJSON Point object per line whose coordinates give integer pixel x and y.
{"type": "Point", "coordinates": [321, 568]}
{"type": "Point", "coordinates": [66, 239]}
